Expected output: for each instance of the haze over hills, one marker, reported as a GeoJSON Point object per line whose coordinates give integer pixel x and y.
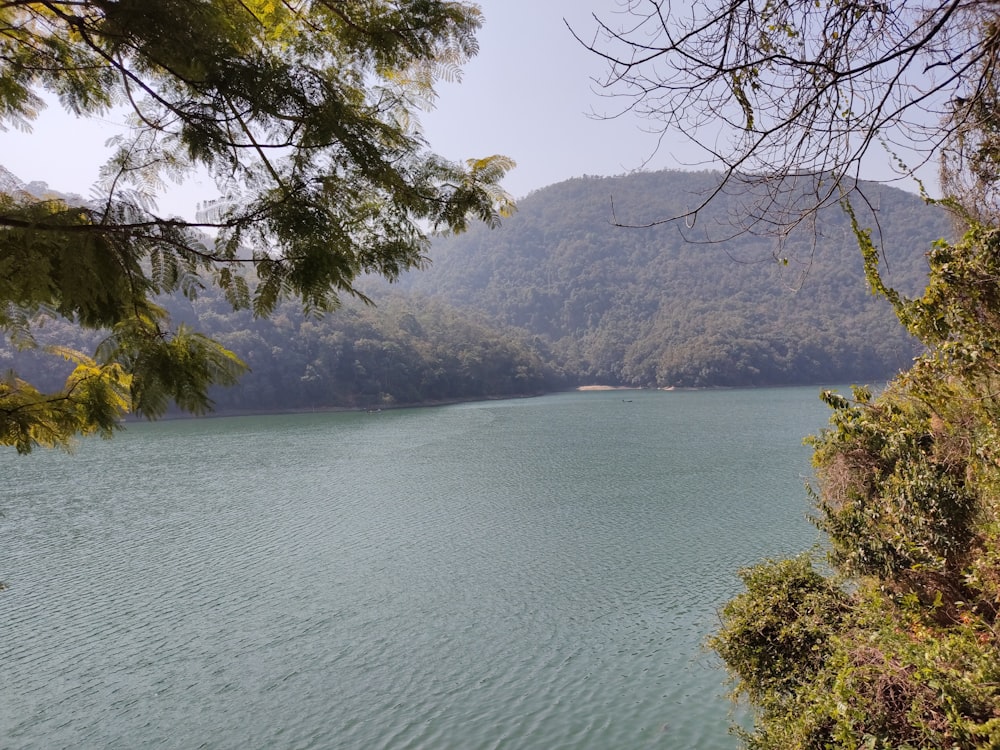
{"type": "Point", "coordinates": [689, 303]}
{"type": "Point", "coordinates": [559, 297]}
{"type": "Point", "coordinates": [11, 183]}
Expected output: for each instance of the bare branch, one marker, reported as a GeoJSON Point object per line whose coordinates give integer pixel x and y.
{"type": "Point", "coordinates": [774, 91]}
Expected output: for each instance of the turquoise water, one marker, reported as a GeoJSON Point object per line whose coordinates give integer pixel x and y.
{"type": "Point", "coordinates": [538, 573]}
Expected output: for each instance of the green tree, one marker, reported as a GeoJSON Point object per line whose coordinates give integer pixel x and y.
{"type": "Point", "coordinates": [304, 113]}
{"type": "Point", "coordinates": [902, 649]}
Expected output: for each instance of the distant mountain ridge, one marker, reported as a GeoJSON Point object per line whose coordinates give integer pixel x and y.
{"type": "Point", "coordinates": [8, 181]}
{"type": "Point", "coordinates": [672, 306]}
{"type": "Point", "coordinates": [11, 183]}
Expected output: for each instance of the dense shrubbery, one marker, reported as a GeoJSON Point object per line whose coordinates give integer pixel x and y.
{"type": "Point", "coordinates": [900, 648]}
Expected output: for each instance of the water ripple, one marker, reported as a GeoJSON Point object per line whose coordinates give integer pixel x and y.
{"type": "Point", "coordinates": [528, 574]}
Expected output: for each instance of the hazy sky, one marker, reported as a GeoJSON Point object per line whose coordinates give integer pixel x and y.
{"type": "Point", "coordinates": [529, 95]}
{"type": "Point", "coordinates": [526, 95]}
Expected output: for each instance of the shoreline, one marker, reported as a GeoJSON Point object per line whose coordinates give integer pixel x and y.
{"type": "Point", "coordinates": [375, 408]}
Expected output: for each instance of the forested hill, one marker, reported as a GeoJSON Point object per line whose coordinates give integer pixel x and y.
{"type": "Point", "coordinates": [404, 351]}
{"type": "Point", "coordinates": [559, 297]}
{"type": "Point", "coordinates": [678, 304]}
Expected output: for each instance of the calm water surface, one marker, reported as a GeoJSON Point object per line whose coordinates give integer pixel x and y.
{"type": "Point", "coordinates": [530, 574]}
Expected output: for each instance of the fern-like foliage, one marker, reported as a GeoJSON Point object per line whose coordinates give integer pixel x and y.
{"type": "Point", "coordinates": [92, 401]}
{"type": "Point", "coordinates": [304, 113]}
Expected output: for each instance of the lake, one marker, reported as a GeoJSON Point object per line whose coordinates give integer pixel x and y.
{"type": "Point", "coordinates": [526, 574]}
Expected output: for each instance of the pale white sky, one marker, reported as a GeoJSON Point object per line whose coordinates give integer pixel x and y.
{"type": "Point", "coordinates": [527, 95]}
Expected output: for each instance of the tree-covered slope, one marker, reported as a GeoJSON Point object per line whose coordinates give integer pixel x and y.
{"type": "Point", "coordinates": [689, 302]}
{"type": "Point", "coordinates": [405, 350]}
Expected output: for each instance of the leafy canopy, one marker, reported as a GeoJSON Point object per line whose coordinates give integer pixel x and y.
{"type": "Point", "coordinates": [898, 649]}
{"type": "Point", "coordinates": [303, 112]}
